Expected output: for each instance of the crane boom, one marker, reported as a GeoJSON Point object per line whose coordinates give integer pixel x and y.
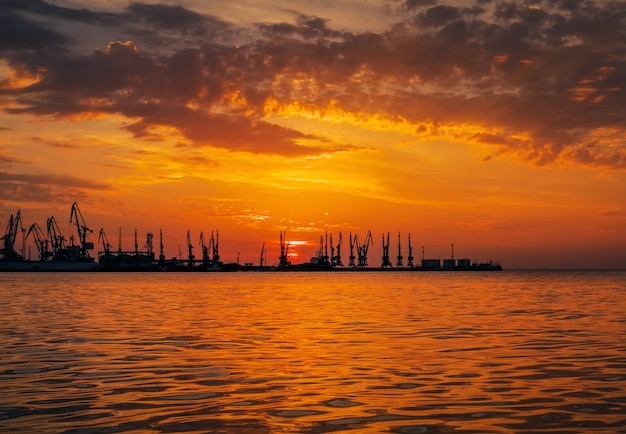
{"type": "Point", "coordinates": [102, 237]}
{"type": "Point", "coordinates": [40, 241]}
{"type": "Point", "coordinates": [56, 238]}
{"type": "Point", "coordinates": [362, 249]}
{"type": "Point", "coordinates": [10, 236]}
{"type": "Point", "coordinates": [77, 218]}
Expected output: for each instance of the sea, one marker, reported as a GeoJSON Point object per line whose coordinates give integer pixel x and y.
{"type": "Point", "coordinates": [263, 352]}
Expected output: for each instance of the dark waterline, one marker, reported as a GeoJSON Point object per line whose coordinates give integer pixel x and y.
{"type": "Point", "coordinates": [503, 352]}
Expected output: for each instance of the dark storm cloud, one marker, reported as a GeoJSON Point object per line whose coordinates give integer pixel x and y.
{"type": "Point", "coordinates": [18, 33]}
{"type": "Point", "coordinates": [412, 4]}
{"type": "Point", "coordinates": [438, 16]}
{"type": "Point", "coordinates": [550, 72]}
{"type": "Point", "coordinates": [306, 27]}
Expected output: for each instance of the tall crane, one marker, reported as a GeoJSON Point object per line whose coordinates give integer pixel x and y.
{"type": "Point", "coordinates": [410, 257]}
{"type": "Point", "coordinates": [399, 262]}
{"type": "Point", "coordinates": [386, 263]}
{"type": "Point", "coordinates": [191, 257]}
{"type": "Point", "coordinates": [354, 241]}
{"type": "Point", "coordinates": [262, 258]}
{"type": "Point", "coordinates": [41, 241]}
{"type": "Point", "coordinates": [161, 253]}
{"type": "Point", "coordinates": [206, 261]}
{"type": "Point", "coordinates": [148, 247]}
{"type": "Point", "coordinates": [76, 217]}
{"type": "Point", "coordinates": [56, 238]}
{"type": "Point", "coordinates": [336, 259]}
{"type": "Point", "coordinates": [214, 244]}
{"type": "Point", "coordinates": [284, 251]}
{"type": "Point", "coordinates": [362, 249]}
{"type": "Point", "coordinates": [13, 226]}
{"type": "Point", "coordinates": [102, 238]}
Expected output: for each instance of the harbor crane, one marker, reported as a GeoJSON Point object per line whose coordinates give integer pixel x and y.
{"type": "Point", "coordinates": [262, 258]}
{"type": "Point", "coordinates": [399, 261]}
{"type": "Point", "coordinates": [214, 245]}
{"type": "Point", "coordinates": [191, 257]}
{"type": "Point", "coordinates": [56, 238]}
{"type": "Point", "coordinates": [362, 249]}
{"type": "Point", "coordinates": [102, 238]}
{"type": "Point", "coordinates": [284, 251]}
{"type": "Point", "coordinates": [40, 241]}
{"type": "Point", "coordinates": [13, 226]}
{"type": "Point", "coordinates": [76, 217]}
{"type": "Point", "coordinates": [386, 263]}
{"type": "Point", "coordinates": [161, 254]}
{"type": "Point", "coordinates": [410, 257]}
{"type": "Point", "coordinates": [322, 253]}
{"type": "Point", "coordinates": [205, 251]}
{"type": "Point", "coordinates": [351, 262]}
{"type": "Point", "coordinates": [336, 259]}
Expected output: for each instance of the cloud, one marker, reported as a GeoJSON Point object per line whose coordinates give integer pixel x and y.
{"type": "Point", "coordinates": [551, 72]}
{"type": "Point", "coordinates": [20, 187]}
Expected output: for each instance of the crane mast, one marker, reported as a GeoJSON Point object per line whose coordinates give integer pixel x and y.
{"type": "Point", "coordinates": [262, 254]}
{"type": "Point", "coordinates": [284, 251]}
{"type": "Point", "coordinates": [336, 259]}
{"type": "Point", "coordinates": [364, 248]}
{"type": "Point", "coordinates": [56, 238]}
{"type": "Point", "coordinates": [10, 236]}
{"type": "Point", "coordinates": [191, 257]}
{"type": "Point", "coordinates": [386, 263]}
{"type": "Point", "coordinates": [410, 257]}
{"type": "Point", "coordinates": [76, 217]}
{"type": "Point", "coordinates": [215, 248]}
{"type": "Point", "coordinates": [354, 241]}
{"type": "Point", "coordinates": [161, 254]}
{"type": "Point", "coordinates": [205, 251]}
{"type": "Point", "coordinates": [40, 241]}
{"type": "Point", "coordinates": [102, 238]}
{"type": "Point", "coordinates": [399, 261]}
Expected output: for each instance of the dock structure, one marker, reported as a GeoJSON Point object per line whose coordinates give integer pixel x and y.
{"type": "Point", "coordinates": [56, 253]}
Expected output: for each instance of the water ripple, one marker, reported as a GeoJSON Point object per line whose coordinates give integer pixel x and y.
{"type": "Point", "coordinates": [250, 353]}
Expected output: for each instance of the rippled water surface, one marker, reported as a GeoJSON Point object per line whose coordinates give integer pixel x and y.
{"type": "Point", "coordinates": [509, 352]}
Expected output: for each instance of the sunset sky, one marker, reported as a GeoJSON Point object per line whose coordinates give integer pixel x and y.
{"type": "Point", "coordinates": [499, 127]}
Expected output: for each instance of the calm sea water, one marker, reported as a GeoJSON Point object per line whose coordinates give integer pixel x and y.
{"type": "Point", "coordinates": [509, 352]}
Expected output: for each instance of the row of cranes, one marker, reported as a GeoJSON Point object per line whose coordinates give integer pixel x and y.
{"type": "Point", "coordinates": [51, 244]}
{"type": "Point", "coordinates": [54, 247]}
{"type": "Point", "coordinates": [333, 260]}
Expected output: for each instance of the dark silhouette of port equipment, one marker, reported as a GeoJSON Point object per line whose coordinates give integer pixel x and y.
{"type": "Point", "coordinates": [106, 246]}
{"type": "Point", "coordinates": [190, 256]}
{"type": "Point", "coordinates": [399, 258]}
{"type": "Point", "coordinates": [336, 259]}
{"type": "Point", "coordinates": [363, 249]}
{"type": "Point", "coordinates": [57, 240]}
{"type": "Point", "coordinates": [410, 257]}
{"type": "Point", "coordinates": [386, 263]}
{"type": "Point", "coordinates": [284, 251]}
{"type": "Point", "coordinates": [83, 230]}
{"type": "Point", "coordinates": [41, 241]}
{"type": "Point", "coordinates": [57, 255]}
{"type": "Point", "coordinates": [351, 262]}
{"type": "Point", "coordinates": [14, 226]}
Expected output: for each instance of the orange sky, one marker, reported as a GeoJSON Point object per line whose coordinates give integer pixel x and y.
{"type": "Point", "coordinates": [498, 127]}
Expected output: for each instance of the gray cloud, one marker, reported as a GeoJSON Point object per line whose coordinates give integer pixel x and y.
{"type": "Point", "coordinates": [554, 72]}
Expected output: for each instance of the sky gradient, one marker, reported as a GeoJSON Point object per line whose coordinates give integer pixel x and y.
{"type": "Point", "coordinates": [495, 126]}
